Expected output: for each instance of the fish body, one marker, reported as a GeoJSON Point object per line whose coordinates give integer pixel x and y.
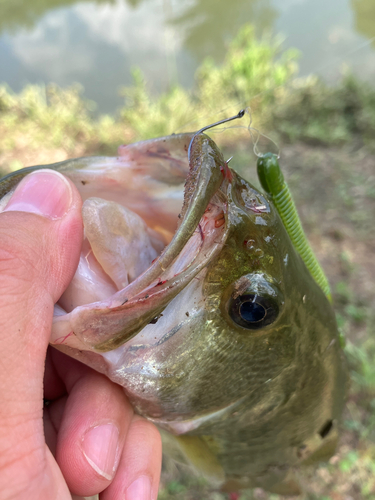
{"type": "Point", "coordinates": [224, 340]}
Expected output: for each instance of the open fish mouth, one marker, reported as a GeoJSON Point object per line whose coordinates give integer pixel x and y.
{"type": "Point", "coordinates": [153, 220]}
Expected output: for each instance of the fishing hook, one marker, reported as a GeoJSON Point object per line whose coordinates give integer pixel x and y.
{"type": "Point", "coordinates": [240, 114]}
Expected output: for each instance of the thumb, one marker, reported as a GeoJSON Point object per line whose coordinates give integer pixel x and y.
{"type": "Point", "coordinates": [40, 240]}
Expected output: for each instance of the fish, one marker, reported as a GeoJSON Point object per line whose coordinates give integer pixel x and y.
{"type": "Point", "coordinates": [191, 295]}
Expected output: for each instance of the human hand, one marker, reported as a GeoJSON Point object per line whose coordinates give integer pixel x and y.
{"type": "Point", "coordinates": [95, 442]}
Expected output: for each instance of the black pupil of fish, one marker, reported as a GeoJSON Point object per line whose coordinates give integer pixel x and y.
{"type": "Point", "coordinates": [252, 311]}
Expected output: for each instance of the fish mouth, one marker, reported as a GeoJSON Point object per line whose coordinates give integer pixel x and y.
{"type": "Point", "coordinates": [201, 232]}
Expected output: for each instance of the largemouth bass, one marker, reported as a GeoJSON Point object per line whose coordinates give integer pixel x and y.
{"type": "Point", "coordinates": [191, 295]}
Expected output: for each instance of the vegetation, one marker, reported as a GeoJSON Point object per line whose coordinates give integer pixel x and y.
{"type": "Point", "coordinates": [316, 113]}
{"type": "Point", "coordinates": [326, 138]}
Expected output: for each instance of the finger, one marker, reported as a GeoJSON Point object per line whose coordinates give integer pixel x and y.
{"type": "Point", "coordinates": [138, 473]}
{"type": "Point", "coordinates": [93, 429]}
{"type": "Point", "coordinates": [40, 240]}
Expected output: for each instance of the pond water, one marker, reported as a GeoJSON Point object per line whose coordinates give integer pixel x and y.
{"type": "Point", "coordinates": [97, 43]}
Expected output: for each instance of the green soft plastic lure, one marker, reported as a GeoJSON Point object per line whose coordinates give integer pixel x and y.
{"type": "Point", "coordinates": [273, 182]}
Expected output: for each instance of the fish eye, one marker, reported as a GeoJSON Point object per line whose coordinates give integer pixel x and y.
{"type": "Point", "coordinates": [252, 311]}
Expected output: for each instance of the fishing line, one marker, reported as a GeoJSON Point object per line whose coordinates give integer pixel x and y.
{"type": "Point", "coordinates": [255, 134]}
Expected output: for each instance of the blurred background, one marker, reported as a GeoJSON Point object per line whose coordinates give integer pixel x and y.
{"type": "Point", "coordinates": [82, 77]}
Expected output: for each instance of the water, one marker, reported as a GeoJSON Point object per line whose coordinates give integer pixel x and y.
{"type": "Point", "coordinates": [97, 43]}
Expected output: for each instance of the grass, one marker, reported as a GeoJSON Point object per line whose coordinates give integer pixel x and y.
{"type": "Point", "coordinates": [326, 136]}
